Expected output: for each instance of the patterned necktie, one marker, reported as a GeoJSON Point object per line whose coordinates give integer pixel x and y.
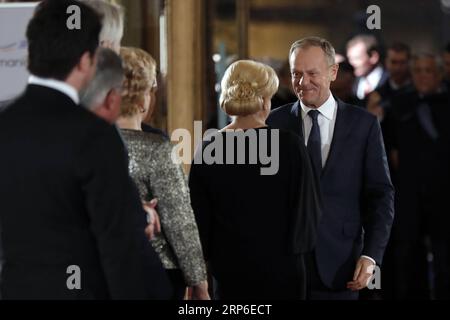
{"type": "Point", "coordinates": [314, 143]}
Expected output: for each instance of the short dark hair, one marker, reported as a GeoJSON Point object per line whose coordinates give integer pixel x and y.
{"type": "Point", "coordinates": [53, 49]}
{"type": "Point", "coordinates": [400, 47]}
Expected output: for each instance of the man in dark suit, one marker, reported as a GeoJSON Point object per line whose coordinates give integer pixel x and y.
{"type": "Point", "coordinates": [364, 54]}
{"type": "Point", "coordinates": [348, 156]}
{"type": "Point", "coordinates": [399, 81]}
{"type": "Point", "coordinates": [418, 124]}
{"type": "Point", "coordinates": [72, 223]}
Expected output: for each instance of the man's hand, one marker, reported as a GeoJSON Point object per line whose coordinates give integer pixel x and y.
{"type": "Point", "coordinates": [154, 225]}
{"type": "Point", "coordinates": [373, 105]}
{"type": "Point", "coordinates": [363, 273]}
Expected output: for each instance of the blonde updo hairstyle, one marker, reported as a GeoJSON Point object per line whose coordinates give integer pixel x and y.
{"type": "Point", "coordinates": [139, 77]}
{"type": "Point", "coordinates": [244, 86]}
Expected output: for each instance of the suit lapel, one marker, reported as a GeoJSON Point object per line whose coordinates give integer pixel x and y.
{"type": "Point", "coordinates": [295, 121]}
{"type": "Point", "coordinates": [384, 78]}
{"type": "Point", "coordinates": [342, 129]}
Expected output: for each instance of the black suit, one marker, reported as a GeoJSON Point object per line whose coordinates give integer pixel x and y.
{"type": "Point", "coordinates": [67, 200]}
{"type": "Point", "coordinates": [356, 190]}
{"type": "Point", "coordinates": [383, 80]}
{"type": "Point", "coordinates": [423, 184]}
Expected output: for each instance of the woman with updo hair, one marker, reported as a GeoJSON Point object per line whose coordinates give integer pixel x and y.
{"type": "Point", "coordinates": [156, 176]}
{"type": "Point", "coordinates": [254, 195]}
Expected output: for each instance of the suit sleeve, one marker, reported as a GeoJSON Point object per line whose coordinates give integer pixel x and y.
{"type": "Point", "coordinates": [378, 196]}
{"type": "Point", "coordinates": [117, 220]}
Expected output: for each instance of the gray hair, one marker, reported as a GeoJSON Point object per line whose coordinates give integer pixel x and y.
{"type": "Point", "coordinates": [428, 55]}
{"type": "Point", "coordinates": [112, 20]}
{"type": "Point", "coordinates": [322, 43]}
{"type": "Point", "coordinates": [109, 76]}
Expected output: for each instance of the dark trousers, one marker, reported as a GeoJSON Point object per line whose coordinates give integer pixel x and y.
{"type": "Point", "coordinates": [316, 289]}
{"type": "Point", "coordinates": [264, 286]}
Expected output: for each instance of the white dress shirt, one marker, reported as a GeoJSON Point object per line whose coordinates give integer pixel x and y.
{"type": "Point", "coordinates": [327, 122]}
{"type": "Point", "coordinates": [372, 79]}
{"type": "Point", "coordinates": [60, 86]}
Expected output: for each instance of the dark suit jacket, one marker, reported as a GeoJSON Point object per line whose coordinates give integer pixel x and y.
{"type": "Point", "coordinates": [357, 192]}
{"type": "Point", "coordinates": [384, 78]}
{"type": "Point", "coordinates": [424, 170]}
{"type": "Point", "coordinates": [67, 199]}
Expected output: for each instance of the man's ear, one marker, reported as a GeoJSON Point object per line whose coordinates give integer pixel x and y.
{"type": "Point", "coordinates": [85, 63]}
{"type": "Point", "coordinates": [334, 71]}
{"type": "Point", "coordinates": [374, 57]}
{"type": "Point", "coordinates": [111, 99]}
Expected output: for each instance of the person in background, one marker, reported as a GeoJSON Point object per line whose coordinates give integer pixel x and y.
{"type": "Point", "coordinates": [397, 65]}
{"type": "Point", "coordinates": [157, 176]}
{"type": "Point", "coordinates": [103, 96]}
{"type": "Point", "coordinates": [112, 23]}
{"type": "Point", "coordinates": [421, 143]}
{"type": "Point", "coordinates": [364, 54]}
{"type": "Point", "coordinates": [111, 36]}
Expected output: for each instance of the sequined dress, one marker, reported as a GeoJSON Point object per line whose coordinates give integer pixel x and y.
{"type": "Point", "coordinates": [156, 176]}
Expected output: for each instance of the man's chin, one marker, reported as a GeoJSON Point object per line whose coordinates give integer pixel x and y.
{"type": "Point", "coordinates": [307, 99]}
{"type": "Point", "coordinates": [308, 102]}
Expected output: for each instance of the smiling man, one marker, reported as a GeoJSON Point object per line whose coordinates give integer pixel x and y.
{"type": "Point", "coordinates": [347, 153]}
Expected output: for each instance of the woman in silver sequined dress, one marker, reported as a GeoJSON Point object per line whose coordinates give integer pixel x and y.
{"type": "Point", "coordinates": [156, 176]}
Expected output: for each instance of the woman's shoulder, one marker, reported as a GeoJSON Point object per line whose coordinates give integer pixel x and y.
{"type": "Point", "coordinates": [148, 137]}
{"type": "Point", "coordinates": [151, 144]}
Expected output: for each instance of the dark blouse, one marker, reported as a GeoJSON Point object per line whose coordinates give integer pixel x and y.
{"type": "Point", "coordinates": [252, 224]}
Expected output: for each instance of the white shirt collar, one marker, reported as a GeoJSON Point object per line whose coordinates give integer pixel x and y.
{"type": "Point", "coordinates": [326, 109]}
{"type": "Point", "coordinates": [375, 76]}
{"type": "Point", "coordinates": [60, 86]}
